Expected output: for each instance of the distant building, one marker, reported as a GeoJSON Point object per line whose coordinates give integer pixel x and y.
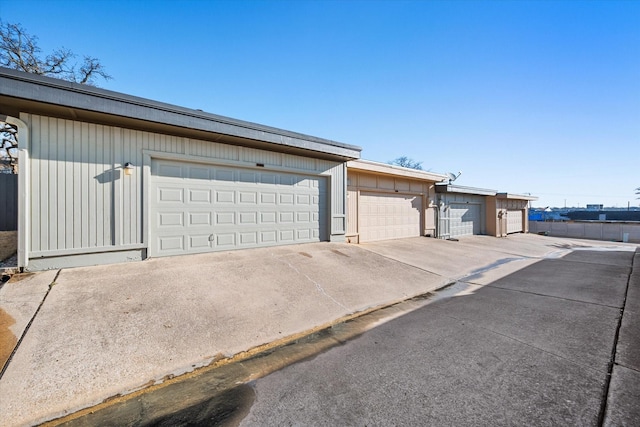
{"type": "Point", "coordinates": [595, 207]}
{"type": "Point", "coordinates": [604, 215]}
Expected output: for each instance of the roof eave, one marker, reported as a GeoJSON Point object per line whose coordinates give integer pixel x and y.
{"type": "Point", "coordinates": [516, 196]}
{"type": "Point", "coordinates": [386, 169]}
{"type": "Point", "coordinates": [17, 84]}
{"type": "Point", "coordinates": [459, 189]}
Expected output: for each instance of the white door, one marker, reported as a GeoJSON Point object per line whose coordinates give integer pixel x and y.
{"type": "Point", "coordinates": [515, 220]}
{"type": "Point", "coordinates": [197, 208]}
{"type": "Point", "coordinates": [388, 216]}
{"type": "Point", "coordinates": [465, 219]}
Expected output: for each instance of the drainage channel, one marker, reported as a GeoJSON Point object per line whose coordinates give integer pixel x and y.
{"type": "Point", "coordinates": [222, 394]}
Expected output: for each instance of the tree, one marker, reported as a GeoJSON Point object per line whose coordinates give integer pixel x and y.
{"type": "Point", "coordinates": [638, 192]}
{"type": "Point", "coordinates": [20, 51]}
{"type": "Point", "coordinates": [406, 162]}
{"type": "Point", "coordinates": [8, 148]}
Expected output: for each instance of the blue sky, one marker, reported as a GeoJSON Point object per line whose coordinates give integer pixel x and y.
{"type": "Point", "coordinates": [538, 97]}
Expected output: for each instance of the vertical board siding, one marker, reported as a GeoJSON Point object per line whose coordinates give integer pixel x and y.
{"type": "Point", "coordinates": [338, 199]}
{"type": "Point", "coordinates": [81, 198]}
{"type": "Point", "coordinates": [213, 150]}
{"type": "Point", "coordinates": [297, 162]}
{"type": "Point", "coordinates": [352, 212]}
{"type": "Point", "coordinates": [71, 198]}
{"type": "Point", "coordinates": [252, 155]}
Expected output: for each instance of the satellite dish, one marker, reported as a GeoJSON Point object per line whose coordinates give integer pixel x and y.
{"type": "Point", "coordinates": [453, 177]}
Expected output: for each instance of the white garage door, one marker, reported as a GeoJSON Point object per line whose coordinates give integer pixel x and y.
{"type": "Point", "coordinates": [388, 216]}
{"type": "Point", "coordinates": [465, 219]}
{"type": "Point", "coordinates": [515, 220]}
{"type": "Point", "coordinates": [201, 208]}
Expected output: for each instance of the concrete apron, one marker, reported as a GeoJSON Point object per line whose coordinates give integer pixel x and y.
{"type": "Point", "coordinates": [111, 330]}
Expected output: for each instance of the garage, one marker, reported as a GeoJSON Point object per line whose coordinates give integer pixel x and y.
{"type": "Point", "coordinates": [389, 202]}
{"type": "Point", "coordinates": [462, 210]}
{"type": "Point", "coordinates": [133, 178]}
{"type": "Point", "coordinates": [515, 221]}
{"type": "Point", "coordinates": [389, 216]}
{"type": "Point", "coordinates": [197, 208]}
{"type": "Point", "coordinates": [465, 219]}
{"type": "Point", "coordinates": [507, 214]}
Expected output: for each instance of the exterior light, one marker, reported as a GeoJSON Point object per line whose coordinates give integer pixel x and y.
{"type": "Point", "coordinates": [128, 169]}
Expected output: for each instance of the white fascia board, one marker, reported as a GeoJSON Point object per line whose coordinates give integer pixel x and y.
{"type": "Point", "coordinates": [516, 196]}
{"type": "Point", "coordinates": [448, 188]}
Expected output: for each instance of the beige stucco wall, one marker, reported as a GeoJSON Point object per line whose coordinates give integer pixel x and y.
{"type": "Point", "coordinates": [358, 181]}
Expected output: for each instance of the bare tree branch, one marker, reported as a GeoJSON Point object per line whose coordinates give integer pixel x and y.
{"type": "Point", "coordinates": [20, 51]}
{"type": "Point", "coordinates": [406, 162]}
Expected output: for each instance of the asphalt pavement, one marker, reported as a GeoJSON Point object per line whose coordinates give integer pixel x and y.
{"type": "Point", "coordinates": [536, 347]}
{"type": "Point", "coordinates": [85, 336]}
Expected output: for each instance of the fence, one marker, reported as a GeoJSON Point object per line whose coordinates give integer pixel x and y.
{"type": "Point", "coordinates": [9, 202]}
{"type": "Point", "coordinates": [596, 230]}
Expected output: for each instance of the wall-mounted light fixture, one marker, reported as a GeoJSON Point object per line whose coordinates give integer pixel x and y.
{"type": "Point", "coordinates": [128, 169]}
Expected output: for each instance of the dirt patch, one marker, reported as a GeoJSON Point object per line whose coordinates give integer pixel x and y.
{"type": "Point", "coordinates": [19, 277]}
{"type": "Point", "coordinates": [8, 341]}
{"type": "Point", "coordinates": [8, 244]}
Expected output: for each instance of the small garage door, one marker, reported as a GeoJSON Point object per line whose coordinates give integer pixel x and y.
{"type": "Point", "coordinates": [201, 208]}
{"type": "Point", "coordinates": [465, 219]}
{"type": "Point", "coordinates": [388, 216]}
{"type": "Point", "coordinates": [515, 220]}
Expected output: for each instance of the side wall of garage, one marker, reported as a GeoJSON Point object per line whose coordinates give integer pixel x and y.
{"type": "Point", "coordinates": [85, 210]}
{"type": "Point", "coordinates": [385, 207]}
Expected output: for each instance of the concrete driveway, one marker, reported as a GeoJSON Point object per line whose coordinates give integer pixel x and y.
{"type": "Point", "coordinates": [85, 335]}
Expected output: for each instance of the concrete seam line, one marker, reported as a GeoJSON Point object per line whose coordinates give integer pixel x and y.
{"type": "Point", "coordinates": [626, 367]}
{"type": "Point", "coordinates": [402, 262]}
{"type": "Point", "coordinates": [547, 296]}
{"type": "Point", "coordinates": [26, 329]}
{"type": "Point", "coordinates": [607, 383]}
{"type": "Point", "coordinates": [520, 342]}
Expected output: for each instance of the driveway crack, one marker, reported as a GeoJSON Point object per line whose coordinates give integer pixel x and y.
{"type": "Point", "coordinates": [317, 285]}
{"type": "Point", "coordinates": [26, 329]}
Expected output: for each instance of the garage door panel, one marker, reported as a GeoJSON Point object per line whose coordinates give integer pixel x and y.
{"type": "Point", "coordinates": [225, 240]}
{"type": "Point", "coordinates": [465, 219]}
{"type": "Point", "coordinates": [169, 243]}
{"type": "Point", "coordinates": [166, 194]}
{"type": "Point", "coordinates": [268, 198]}
{"type": "Point", "coordinates": [203, 208]}
{"type": "Point", "coordinates": [170, 219]}
{"type": "Point", "coordinates": [515, 220]}
{"type": "Point", "coordinates": [200, 218]}
{"type": "Point", "coordinates": [388, 216]}
{"type": "Point", "coordinates": [199, 196]}
{"type": "Point", "coordinates": [268, 217]}
{"type": "Point", "coordinates": [199, 241]}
